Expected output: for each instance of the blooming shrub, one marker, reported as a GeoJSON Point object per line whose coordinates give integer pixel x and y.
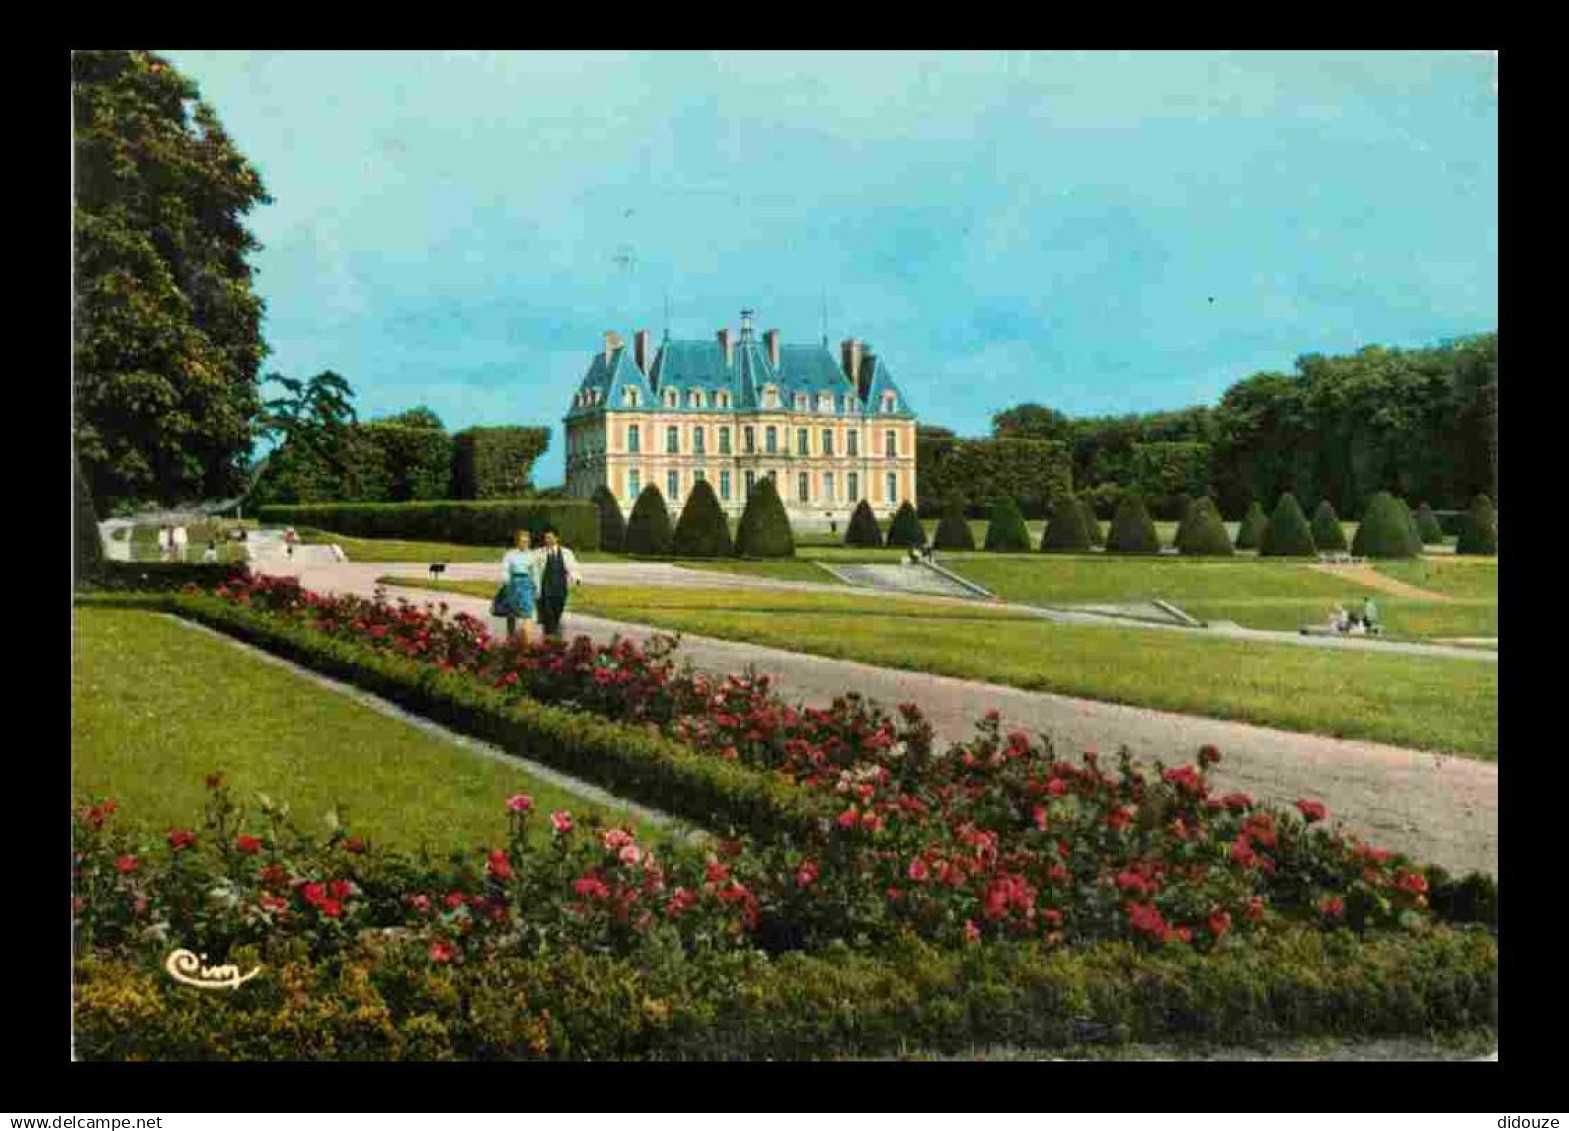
{"type": "Point", "coordinates": [998, 838]}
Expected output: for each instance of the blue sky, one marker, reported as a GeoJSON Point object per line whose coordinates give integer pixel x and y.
{"type": "Point", "coordinates": [459, 229]}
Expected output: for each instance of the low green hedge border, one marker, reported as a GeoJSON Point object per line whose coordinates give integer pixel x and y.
{"type": "Point", "coordinates": [475, 523]}
{"type": "Point", "coordinates": [159, 576]}
{"type": "Point", "coordinates": [385, 1001]}
{"type": "Point", "coordinates": [638, 764]}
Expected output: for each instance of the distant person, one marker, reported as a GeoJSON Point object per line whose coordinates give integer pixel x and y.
{"type": "Point", "coordinates": [1339, 619]}
{"type": "Point", "coordinates": [289, 539]}
{"type": "Point", "coordinates": [177, 541]}
{"type": "Point", "coordinates": [516, 598]}
{"type": "Point", "coordinates": [1370, 615]}
{"type": "Point", "coordinates": [556, 569]}
{"type": "Point", "coordinates": [210, 554]}
{"type": "Point", "coordinates": [165, 543]}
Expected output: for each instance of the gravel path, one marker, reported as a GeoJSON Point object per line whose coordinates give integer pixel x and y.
{"type": "Point", "coordinates": [1440, 808]}
{"type": "Point", "coordinates": [1367, 575]}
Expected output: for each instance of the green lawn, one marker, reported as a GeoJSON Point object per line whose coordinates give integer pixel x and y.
{"type": "Point", "coordinates": [1425, 702]}
{"type": "Point", "coordinates": [786, 570]}
{"type": "Point", "coordinates": [1067, 579]}
{"type": "Point", "coordinates": [1403, 618]}
{"type": "Point", "coordinates": [144, 542]}
{"type": "Point", "coordinates": [156, 706]}
{"type": "Point", "coordinates": [1466, 577]}
{"type": "Point", "coordinates": [398, 550]}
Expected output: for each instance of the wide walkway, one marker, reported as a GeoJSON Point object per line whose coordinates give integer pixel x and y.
{"type": "Point", "coordinates": [1439, 808]}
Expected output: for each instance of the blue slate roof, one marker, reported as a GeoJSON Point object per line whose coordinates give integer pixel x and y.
{"type": "Point", "coordinates": [700, 364]}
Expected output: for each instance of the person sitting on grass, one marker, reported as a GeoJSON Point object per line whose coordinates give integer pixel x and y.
{"type": "Point", "coordinates": [1370, 615]}
{"type": "Point", "coordinates": [1339, 619]}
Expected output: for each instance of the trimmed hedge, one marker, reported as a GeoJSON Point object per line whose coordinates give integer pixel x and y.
{"type": "Point", "coordinates": [1203, 534]}
{"type": "Point", "coordinates": [1007, 533]}
{"type": "Point", "coordinates": [159, 577]}
{"type": "Point", "coordinates": [764, 531]}
{"type": "Point", "coordinates": [1427, 526]}
{"type": "Point", "coordinates": [863, 529]}
{"type": "Point", "coordinates": [489, 523]}
{"type": "Point", "coordinates": [648, 527]}
{"type": "Point", "coordinates": [1251, 533]}
{"type": "Point", "coordinates": [612, 524]}
{"type": "Point", "coordinates": [906, 528]}
{"type": "Point", "coordinates": [953, 530]}
{"type": "Point", "coordinates": [1328, 534]}
{"type": "Point", "coordinates": [1385, 531]}
{"type": "Point", "coordinates": [1065, 532]}
{"type": "Point", "coordinates": [703, 531]}
{"type": "Point", "coordinates": [1288, 533]}
{"type": "Point", "coordinates": [1132, 531]}
{"type": "Point", "coordinates": [641, 765]}
{"type": "Point", "coordinates": [495, 463]}
{"type": "Point", "coordinates": [1092, 524]}
{"type": "Point", "coordinates": [1478, 528]}
{"type": "Point", "coordinates": [1030, 471]}
{"type": "Point", "coordinates": [384, 1000]}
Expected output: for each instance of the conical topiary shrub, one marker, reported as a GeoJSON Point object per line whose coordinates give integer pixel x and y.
{"type": "Point", "coordinates": [765, 527]}
{"type": "Point", "coordinates": [1007, 533]}
{"type": "Point", "coordinates": [703, 531]}
{"type": "Point", "coordinates": [1132, 532]}
{"type": "Point", "coordinates": [1328, 534]}
{"type": "Point", "coordinates": [1251, 533]}
{"type": "Point", "coordinates": [648, 529]}
{"type": "Point", "coordinates": [863, 529]}
{"type": "Point", "coordinates": [1092, 524]}
{"type": "Point", "coordinates": [1288, 534]}
{"type": "Point", "coordinates": [612, 526]}
{"type": "Point", "coordinates": [1384, 531]}
{"type": "Point", "coordinates": [1204, 534]}
{"type": "Point", "coordinates": [1478, 528]}
{"type": "Point", "coordinates": [1177, 507]}
{"type": "Point", "coordinates": [1065, 532]}
{"type": "Point", "coordinates": [953, 530]}
{"type": "Point", "coordinates": [1427, 526]}
{"type": "Point", "coordinates": [906, 528]}
{"type": "Point", "coordinates": [1184, 517]}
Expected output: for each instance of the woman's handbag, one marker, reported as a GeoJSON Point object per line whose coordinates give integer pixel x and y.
{"type": "Point", "coordinates": [501, 603]}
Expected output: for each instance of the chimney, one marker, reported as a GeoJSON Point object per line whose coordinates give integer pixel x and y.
{"type": "Point", "coordinates": [850, 356]}
{"type": "Point", "coordinates": [724, 344]}
{"type": "Point", "coordinates": [640, 349]}
{"type": "Point", "coordinates": [772, 338]}
{"type": "Point", "coordinates": [612, 344]}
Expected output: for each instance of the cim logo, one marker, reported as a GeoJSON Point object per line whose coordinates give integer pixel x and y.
{"type": "Point", "coordinates": [187, 968]}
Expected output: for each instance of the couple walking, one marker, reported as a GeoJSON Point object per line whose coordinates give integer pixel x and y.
{"type": "Point", "coordinates": [535, 578]}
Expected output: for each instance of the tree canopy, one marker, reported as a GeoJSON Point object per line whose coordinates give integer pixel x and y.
{"type": "Point", "coordinates": [167, 327]}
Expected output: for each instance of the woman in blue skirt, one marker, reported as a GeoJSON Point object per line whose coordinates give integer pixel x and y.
{"type": "Point", "coordinates": [517, 598]}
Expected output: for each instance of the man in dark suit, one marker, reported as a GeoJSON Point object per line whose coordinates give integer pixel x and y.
{"type": "Point", "coordinates": [557, 571]}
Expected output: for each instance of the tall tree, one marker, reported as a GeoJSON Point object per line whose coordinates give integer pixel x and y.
{"type": "Point", "coordinates": [1032, 422]}
{"type": "Point", "coordinates": [167, 328]}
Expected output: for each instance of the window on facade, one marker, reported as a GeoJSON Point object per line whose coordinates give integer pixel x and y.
{"type": "Point", "coordinates": [853, 483]}
{"type": "Point", "coordinates": [770, 397]}
{"type": "Point", "coordinates": [770, 439]}
{"type": "Point", "coordinates": [825, 402]}
{"type": "Point", "coordinates": [722, 400]}
{"type": "Point", "coordinates": [673, 485]}
{"type": "Point", "coordinates": [853, 443]}
{"type": "Point", "coordinates": [699, 475]}
{"type": "Point", "coordinates": [828, 441]}
{"type": "Point", "coordinates": [634, 438]}
{"type": "Point", "coordinates": [751, 483]}
{"type": "Point", "coordinates": [673, 439]}
{"type": "Point", "coordinates": [828, 486]}
{"type": "Point", "coordinates": [724, 441]}
{"type": "Point", "coordinates": [672, 398]}
{"type": "Point", "coordinates": [800, 402]}
{"type": "Point", "coordinates": [891, 443]}
{"type": "Point", "coordinates": [699, 447]}
{"type": "Point", "coordinates": [893, 487]}
{"type": "Point", "coordinates": [803, 488]}
{"type": "Point", "coordinates": [802, 442]}
{"type": "Point", "coordinates": [724, 486]}
{"type": "Point", "coordinates": [630, 397]}
{"type": "Point", "coordinates": [634, 484]}
{"type": "Point", "coordinates": [749, 439]}
{"type": "Point", "coordinates": [695, 398]}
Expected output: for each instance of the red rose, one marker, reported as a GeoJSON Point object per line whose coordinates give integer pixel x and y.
{"type": "Point", "coordinates": [126, 863]}
{"type": "Point", "coordinates": [247, 844]}
{"type": "Point", "coordinates": [806, 874]}
{"type": "Point", "coordinates": [340, 889]}
{"type": "Point", "coordinates": [498, 866]}
{"type": "Point", "coordinates": [1219, 922]}
{"type": "Point", "coordinates": [561, 820]}
{"type": "Point", "coordinates": [918, 871]}
{"type": "Point", "coordinates": [441, 951]}
{"type": "Point", "coordinates": [1332, 906]}
{"type": "Point", "coordinates": [455, 899]}
{"type": "Point", "coordinates": [353, 844]}
{"type": "Point", "coordinates": [181, 838]}
{"type": "Point", "coordinates": [1311, 811]}
{"type": "Point", "coordinates": [1038, 814]}
{"type": "Point", "coordinates": [520, 803]}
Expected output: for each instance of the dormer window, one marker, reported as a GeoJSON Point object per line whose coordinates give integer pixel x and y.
{"type": "Point", "coordinates": [800, 402]}
{"type": "Point", "coordinates": [694, 399]}
{"type": "Point", "coordinates": [770, 396]}
{"type": "Point", "coordinates": [890, 402]}
{"type": "Point", "coordinates": [722, 400]}
{"type": "Point", "coordinates": [629, 395]}
{"type": "Point", "coordinates": [825, 402]}
{"type": "Point", "coordinates": [672, 398]}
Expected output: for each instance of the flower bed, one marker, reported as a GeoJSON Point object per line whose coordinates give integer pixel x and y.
{"type": "Point", "coordinates": [998, 838]}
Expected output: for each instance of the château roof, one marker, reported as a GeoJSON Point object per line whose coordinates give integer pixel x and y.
{"type": "Point", "coordinates": [688, 364]}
